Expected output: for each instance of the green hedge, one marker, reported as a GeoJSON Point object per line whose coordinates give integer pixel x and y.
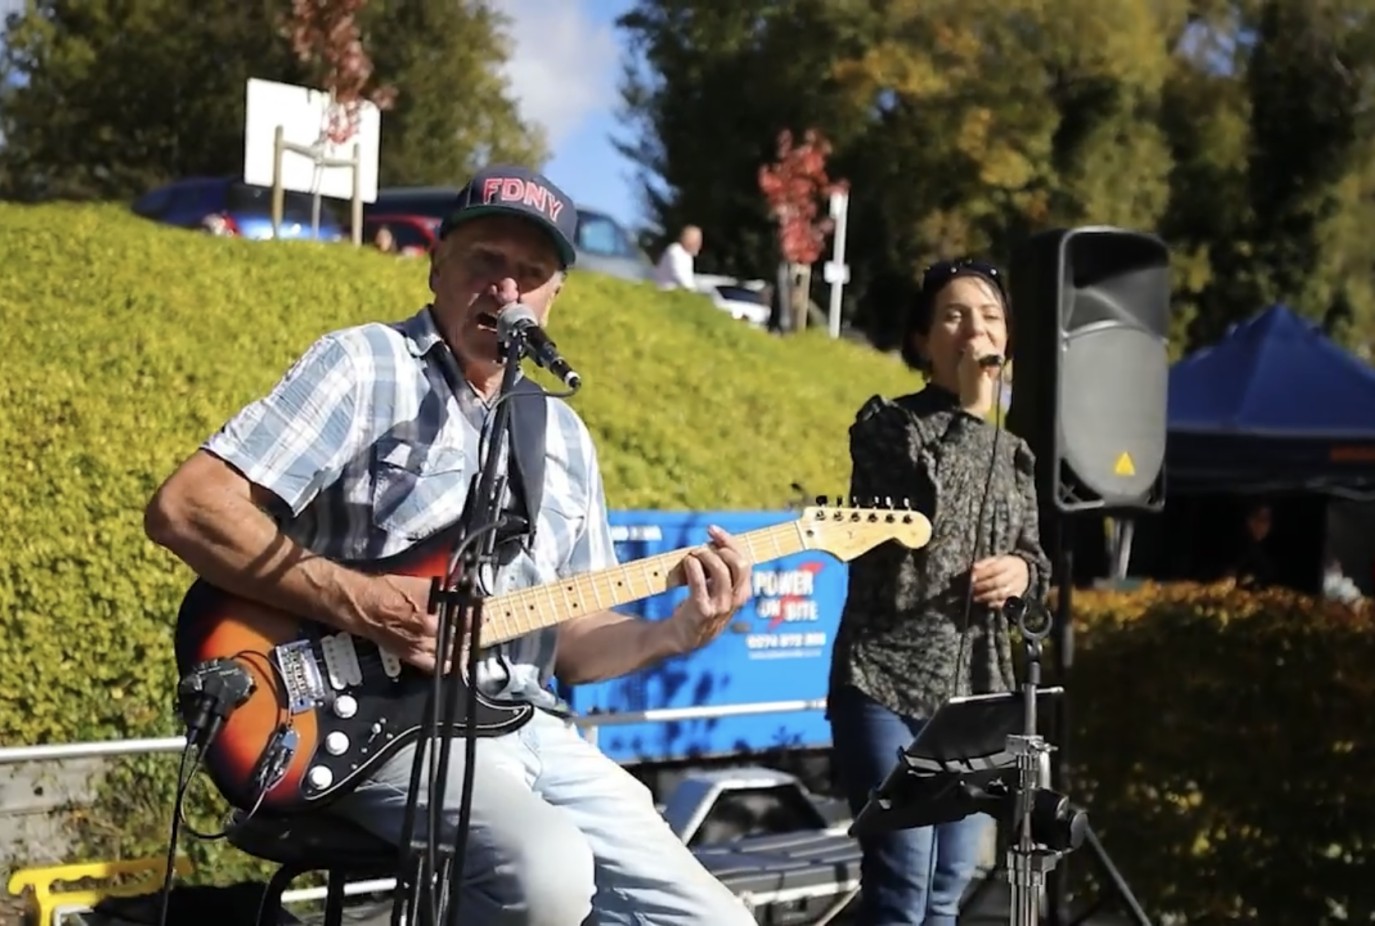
{"type": "Point", "coordinates": [1222, 745]}
{"type": "Point", "coordinates": [126, 343]}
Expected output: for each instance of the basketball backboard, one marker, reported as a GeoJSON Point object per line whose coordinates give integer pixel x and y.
{"type": "Point", "coordinates": [305, 116]}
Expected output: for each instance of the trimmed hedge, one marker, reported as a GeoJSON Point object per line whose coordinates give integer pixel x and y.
{"type": "Point", "coordinates": [1222, 746]}
{"type": "Point", "coordinates": [126, 343]}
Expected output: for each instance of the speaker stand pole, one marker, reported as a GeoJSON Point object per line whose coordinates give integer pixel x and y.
{"type": "Point", "coordinates": [1057, 894]}
{"type": "Point", "coordinates": [1057, 907]}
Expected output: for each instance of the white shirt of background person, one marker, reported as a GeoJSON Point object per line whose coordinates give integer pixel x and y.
{"type": "Point", "coordinates": [675, 269]}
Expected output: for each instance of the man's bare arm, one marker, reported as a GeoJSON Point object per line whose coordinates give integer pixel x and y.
{"type": "Point", "coordinates": [605, 644]}
{"type": "Point", "coordinates": [216, 522]}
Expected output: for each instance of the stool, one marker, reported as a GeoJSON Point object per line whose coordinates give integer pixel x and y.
{"type": "Point", "coordinates": [319, 842]}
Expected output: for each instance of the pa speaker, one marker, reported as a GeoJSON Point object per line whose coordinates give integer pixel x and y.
{"type": "Point", "coordinates": [1090, 316]}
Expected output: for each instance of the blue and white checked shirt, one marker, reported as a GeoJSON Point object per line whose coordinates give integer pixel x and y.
{"type": "Point", "coordinates": [368, 446]}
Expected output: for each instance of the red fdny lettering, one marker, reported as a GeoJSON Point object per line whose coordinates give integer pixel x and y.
{"type": "Point", "coordinates": [525, 192]}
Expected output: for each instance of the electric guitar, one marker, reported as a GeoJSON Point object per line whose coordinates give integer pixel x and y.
{"type": "Point", "coordinates": [325, 707]}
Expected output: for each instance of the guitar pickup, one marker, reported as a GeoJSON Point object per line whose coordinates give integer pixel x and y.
{"type": "Point", "coordinates": [391, 663]}
{"type": "Point", "coordinates": [341, 661]}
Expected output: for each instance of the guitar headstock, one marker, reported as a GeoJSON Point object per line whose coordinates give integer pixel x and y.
{"type": "Point", "coordinates": [848, 531]}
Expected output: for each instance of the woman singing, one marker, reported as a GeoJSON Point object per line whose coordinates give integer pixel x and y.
{"type": "Point", "coordinates": [900, 651]}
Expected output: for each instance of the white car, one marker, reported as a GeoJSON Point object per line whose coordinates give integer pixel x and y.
{"type": "Point", "coordinates": [745, 300]}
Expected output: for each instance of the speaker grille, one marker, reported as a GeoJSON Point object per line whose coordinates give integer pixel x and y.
{"type": "Point", "coordinates": [1113, 382]}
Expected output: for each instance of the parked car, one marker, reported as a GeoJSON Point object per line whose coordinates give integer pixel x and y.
{"type": "Point", "coordinates": [412, 235]}
{"type": "Point", "coordinates": [228, 206]}
{"type": "Point", "coordinates": [744, 300]}
{"type": "Point", "coordinates": [603, 245]}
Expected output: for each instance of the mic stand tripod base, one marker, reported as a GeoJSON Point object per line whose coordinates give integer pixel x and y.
{"type": "Point", "coordinates": [1027, 862]}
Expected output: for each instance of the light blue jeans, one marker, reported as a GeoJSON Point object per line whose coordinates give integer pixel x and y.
{"type": "Point", "coordinates": [560, 836]}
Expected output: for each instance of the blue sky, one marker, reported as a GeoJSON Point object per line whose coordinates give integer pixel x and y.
{"type": "Point", "coordinates": [564, 69]}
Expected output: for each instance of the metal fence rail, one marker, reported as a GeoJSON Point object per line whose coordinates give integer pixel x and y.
{"type": "Point", "coordinates": [590, 723]}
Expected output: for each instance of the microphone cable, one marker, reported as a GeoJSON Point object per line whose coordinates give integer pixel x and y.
{"type": "Point", "coordinates": [952, 684]}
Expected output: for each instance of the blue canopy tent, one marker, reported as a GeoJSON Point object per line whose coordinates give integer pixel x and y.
{"type": "Point", "coordinates": [1275, 406]}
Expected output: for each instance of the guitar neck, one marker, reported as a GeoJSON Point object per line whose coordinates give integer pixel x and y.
{"type": "Point", "coordinates": [505, 617]}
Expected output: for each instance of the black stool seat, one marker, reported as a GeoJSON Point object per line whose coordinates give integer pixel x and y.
{"type": "Point", "coordinates": [312, 842]}
{"type": "Point", "coordinates": [315, 842]}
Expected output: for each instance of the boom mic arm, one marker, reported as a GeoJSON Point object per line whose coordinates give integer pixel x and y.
{"type": "Point", "coordinates": [518, 324]}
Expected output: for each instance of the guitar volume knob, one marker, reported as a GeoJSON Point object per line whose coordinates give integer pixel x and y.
{"type": "Point", "coordinates": [345, 706]}
{"type": "Point", "coordinates": [319, 777]}
{"type": "Point", "coordinates": [336, 743]}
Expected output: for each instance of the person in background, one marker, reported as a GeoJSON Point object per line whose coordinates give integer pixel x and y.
{"type": "Point", "coordinates": [675, 269]}
{"type": "Point", "coordinates": [900, 651]}
{"type": "Point", "coordinates": [1253, 567]}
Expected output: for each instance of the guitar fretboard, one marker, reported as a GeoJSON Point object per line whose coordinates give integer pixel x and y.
{"type": "Point", "coordinates": [505, 617]}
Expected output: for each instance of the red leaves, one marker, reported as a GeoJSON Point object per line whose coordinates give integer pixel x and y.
{"type": "Point", "coordinates": [325, 32]}
{"type": "Point", "coordinates": [793, 185]}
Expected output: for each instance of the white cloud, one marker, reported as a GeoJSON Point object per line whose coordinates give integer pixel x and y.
{"type": "Point", "coordinates": [563, 65]}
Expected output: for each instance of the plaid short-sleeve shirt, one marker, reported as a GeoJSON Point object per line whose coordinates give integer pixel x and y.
{"type": "Point", "coordinates": [370, 450]}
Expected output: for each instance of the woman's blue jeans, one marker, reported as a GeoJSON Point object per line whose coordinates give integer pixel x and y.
{"type": "Point", "coordinates": [914, 876]}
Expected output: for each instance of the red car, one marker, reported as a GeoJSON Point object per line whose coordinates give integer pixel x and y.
{"type": "Point", "coordinates": [410, 235]}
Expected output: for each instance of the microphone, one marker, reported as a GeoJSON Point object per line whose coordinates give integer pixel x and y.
{"type": "Point", "coordinates": [988, 361]}
{"type": "Point", "coordinates": [518, 323]}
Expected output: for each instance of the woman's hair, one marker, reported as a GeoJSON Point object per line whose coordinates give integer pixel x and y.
{"type": "Point", "coordinates": [934, 279]}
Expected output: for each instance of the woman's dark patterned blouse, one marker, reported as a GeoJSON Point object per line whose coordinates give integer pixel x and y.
{"type": "Point", "coordinates": [900, 628]}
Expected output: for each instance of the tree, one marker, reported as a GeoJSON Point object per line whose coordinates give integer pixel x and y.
{"type": "Point", "coordinates": [721, 81]}
{"type": "Point", "coordinates": [1268, 116]}
{"type": "Point", "coordinates": [792, 186]}
{"type": "Point", "coordinates": [325, 37]}
{"type": "Point", "coordinates": [106, 98]}
{"type": "Point", "coordinates": [961, 127]}
{"type": "Point", "coordinates": [454, 110]}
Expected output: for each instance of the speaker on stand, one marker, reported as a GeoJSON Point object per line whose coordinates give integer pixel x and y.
{"type": "Point", "coordinates": [1090, 311]}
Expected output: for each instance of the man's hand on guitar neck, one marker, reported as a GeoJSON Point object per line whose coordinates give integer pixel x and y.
{"type": "Point", "coordinates": [718, 581]}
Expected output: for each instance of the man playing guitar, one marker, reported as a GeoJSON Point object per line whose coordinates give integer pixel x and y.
{"type": "Point", "coordinates": [368, 444]}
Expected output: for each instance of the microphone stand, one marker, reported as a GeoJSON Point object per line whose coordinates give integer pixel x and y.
{"type": "Point", "coordinates": [1028, 861]}
{"type": "Point", "coordinates": [458, 601]}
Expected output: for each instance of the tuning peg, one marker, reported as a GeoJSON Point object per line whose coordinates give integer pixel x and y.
{"type": "Point", "coordinates": [906, 504]}
{"type": "Point", "coordinates": [821, 501]}
{"type": "Point", "coordinates": [887, 503]}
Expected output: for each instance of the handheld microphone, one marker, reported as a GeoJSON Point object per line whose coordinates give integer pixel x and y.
{"type": "Point", "coordinates": [988, 361]}
{"type": "Point", "coordinates": [518, 323]}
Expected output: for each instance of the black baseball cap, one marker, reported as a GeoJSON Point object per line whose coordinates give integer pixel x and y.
{"type": "Point", "coordinates": [506, 189]}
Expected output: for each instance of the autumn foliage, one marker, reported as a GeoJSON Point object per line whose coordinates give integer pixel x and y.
{"type": "Point", "coordinates": [325, 34]}
{"type": "Point", "coordinates": [793, 186]}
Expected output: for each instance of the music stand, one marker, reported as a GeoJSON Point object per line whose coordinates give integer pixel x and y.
{"type": "Point", "coordinates": [981, 753]}
{"type": "Point", "coordinates": [958, 764]}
